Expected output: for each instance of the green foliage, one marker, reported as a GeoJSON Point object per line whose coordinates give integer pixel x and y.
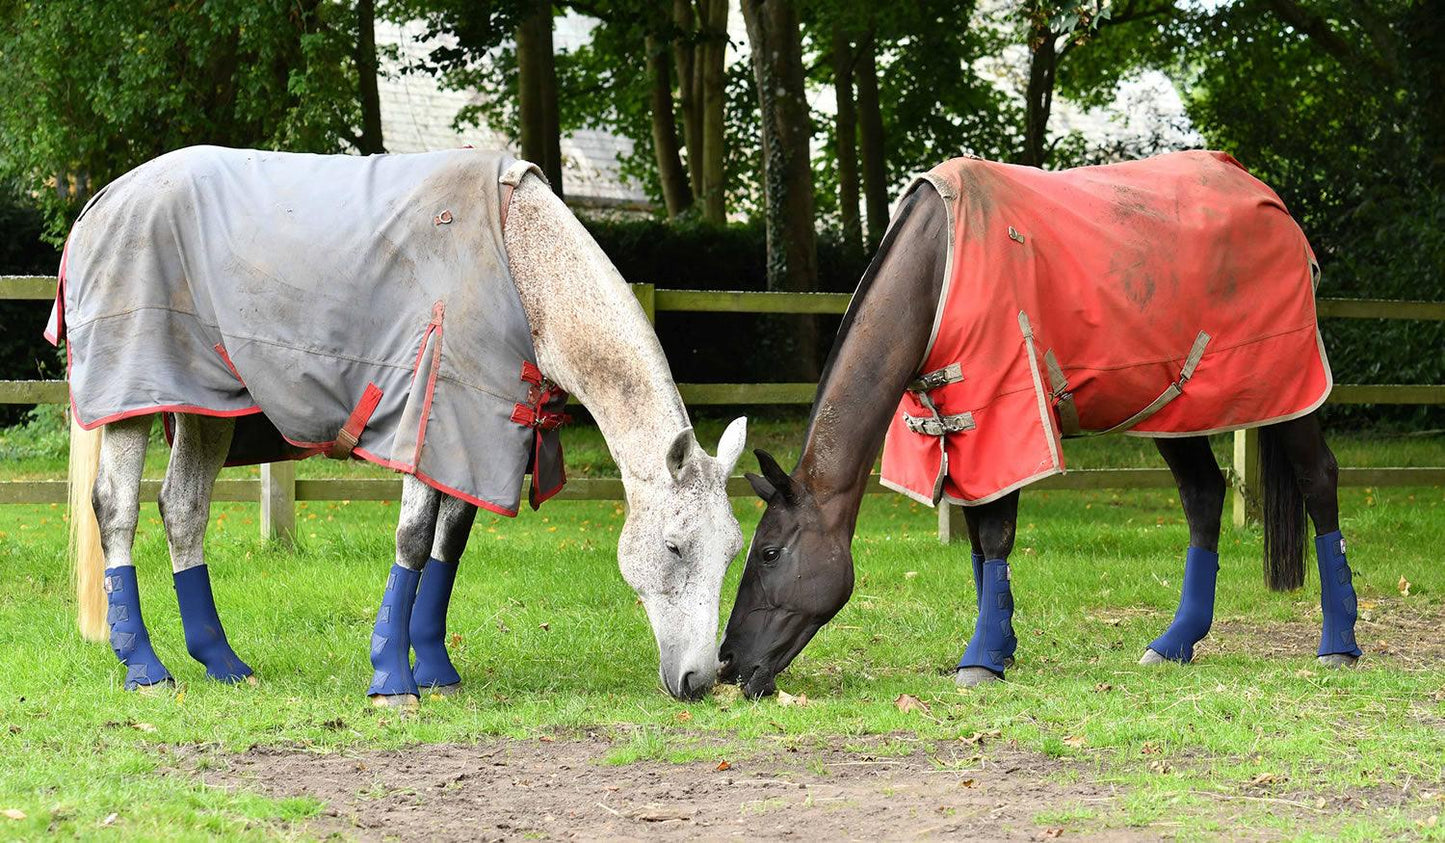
{"type": "Point", "coordinates": [93, 89]}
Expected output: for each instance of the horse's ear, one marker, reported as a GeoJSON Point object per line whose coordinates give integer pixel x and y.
{"type": "Point", "coordinates": [679, 453]}
{"type": "Point", "coordinates": [760, 485]}
{"type": "Point", "coordinates": [730, 447]}
{"type": "Point", "coordinates": [776, 476]}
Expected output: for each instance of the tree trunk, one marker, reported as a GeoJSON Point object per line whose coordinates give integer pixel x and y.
{"type": "Point", "coordinates": [537, 94]}
{"type": "Point", "coordinates": [870, 142]}
{"type": "Point", "coordinates": [370, 140]}
{"type": "Point", "coordinates": [713, 94]}
{"type": "Point", "coordinates": [845, 127]}
{"type": "Point", "coordinates": [685, 55]}
{"type": "Point", "coordinates": [1039, 97]}
{"type": "Point", "coordinates": [787, 173]}
{"type": "Point", "coordinates": [676, 194]}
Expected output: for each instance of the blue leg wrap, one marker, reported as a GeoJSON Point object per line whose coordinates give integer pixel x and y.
{"type": "Point", "coordinates": [128, 636]}
{"type": "Point", "coordinates": [1337, 597]}
{"type": "Point", "coordinates": [993, 640]}
{"type": "Point", "coordinates": [205, 638]}
{"type": "Point", "coordinates": [433, 666]}
{"type": "Point", "coordinates": [390, 647]}
{"type": "Point", "coordinates": [1196, 607]}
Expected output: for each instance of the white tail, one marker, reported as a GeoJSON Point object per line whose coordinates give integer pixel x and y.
{"type": "Point", "coordinates": [87, 558]}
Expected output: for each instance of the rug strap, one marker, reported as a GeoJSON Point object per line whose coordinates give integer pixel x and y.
{"type": "Point", "coordinates": [350, 433]}
{"type": "Point", "coordinates": [1063, 399]}
{"type": "Point", "coordinates": [1173, 391]}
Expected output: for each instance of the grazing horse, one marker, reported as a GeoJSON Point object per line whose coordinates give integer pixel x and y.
{"type": "Point", "coordinates": [401, 309]}
{"type": "Point", "coordinates": [1179, 279]}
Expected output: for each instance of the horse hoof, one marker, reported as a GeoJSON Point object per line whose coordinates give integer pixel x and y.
{"type": "Point", "coordinates": [441, 690]}
{"type": "Point", "coordinates": [395, 700]}
{"type": "Point", "coordinates": [972, 677]}
{"type": "Point", "coordinates": [1338, 660]}
{"type": "Point", "coordinates": [1152, 657]}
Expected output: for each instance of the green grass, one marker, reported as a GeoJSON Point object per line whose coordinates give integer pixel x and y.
{"type": "Point", "coordinates": [552, 641]}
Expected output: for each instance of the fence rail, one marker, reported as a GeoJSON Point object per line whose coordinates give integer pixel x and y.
{"type": "Point", "coordinates": [278, 489]}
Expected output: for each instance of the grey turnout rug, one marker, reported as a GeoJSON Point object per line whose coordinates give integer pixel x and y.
{"type": "Point", "coordinates": [356, 307]}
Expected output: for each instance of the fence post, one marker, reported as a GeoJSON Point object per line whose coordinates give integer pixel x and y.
{"type": "Point", "coordinates": [278, 501]}
{"type": "Point", "coordinates": [951, 526]}
{"type": "Point", "coordinates": [1247, 489]}
{"type": "Point", "coordinates": [647, 297]}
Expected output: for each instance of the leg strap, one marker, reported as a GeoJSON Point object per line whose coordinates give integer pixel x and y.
{"type": "Point", "coordinates": [1337, 597]}
{"type": "Point", "coordinates": [993, 642]}
{"type": "Point", "coordinates": [205, 638]}
{"type": "Point", "coordinates": [390, 647]}
{"type": "Point", "coordinates": [433, 666]}
{"type": "Point", "coordinates": [1196, 607]}
{"type": "Point", "coordinates": [128, 636]}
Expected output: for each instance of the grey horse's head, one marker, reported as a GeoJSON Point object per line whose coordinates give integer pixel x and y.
{"type": "Point", "coordinates": [675, 547]}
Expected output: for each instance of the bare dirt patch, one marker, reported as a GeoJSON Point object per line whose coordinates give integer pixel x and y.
{"type": "Point", "coordinates": [513, 789]}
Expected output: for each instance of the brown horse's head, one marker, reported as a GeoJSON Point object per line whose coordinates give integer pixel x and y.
{"type": "Point", "coordinates": [799, 574]}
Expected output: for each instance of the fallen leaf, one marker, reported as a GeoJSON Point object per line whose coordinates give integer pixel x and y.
{"type": "Point", "coordinates": [1075, 740]}
{"type": "Point", "coordinates": [144, 727]}
{"type": "Point", "coordinates": [1103, 688]}
{"type": "Point", "coordinates": [723, 766]}
{"type": "Point", "coordinates": [544, 626]}
{"type": "Point", "coordinates": [1149, 749]}
{"type": "Point", "coordinates": [683, 716]}
{"type": "Point", "coordinates": [1265, 778]}
{"type": "Point", "coordinates": [547, 739]}
{"type": "Point", "coordinates": [14, 813]}
{"type": "Point", "coordinates": [907, 702]}
{"type": "Point", "coordinates": [456, 639]}
{"type": "Point", "coordinates": [1430, 821]}
{"type": "Point", "coordinates": [1404, 586]}
{"type": "Point", "coordinates": [968, 782]}
{"type": "Point", "coordinates": [1053, 833]}
{"type": "Point", "coordinates": [908, 575]}
{"type": "Point", "coordinates": [110, 819]}
{"type": "Point", "coordinates": [979, 737]}
{"type": "Point", "coordinates": [786, 699]}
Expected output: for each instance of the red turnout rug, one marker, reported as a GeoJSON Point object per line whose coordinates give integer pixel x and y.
{"type": "Point", "coordinates": [1172, 296]}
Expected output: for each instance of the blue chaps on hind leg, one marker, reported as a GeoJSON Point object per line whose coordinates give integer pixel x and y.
{"type": "Point", "coordinates": [390, 639]}
{"type": "Point", "coordinates": [1337, 597]}
{"type": "Point", "coordinates": [428, 629]}
{"type": "Point", "coordinates": [1196, 607]}
{"type": "Point", "coordinates": [993, 642]}
{"type": "Point", "coordinates": [205, 638]}
{"type": "Point", "coordinates": [128, 636]}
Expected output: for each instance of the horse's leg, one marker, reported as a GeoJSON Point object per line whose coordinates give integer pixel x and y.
{"type": "Point", "coordinates": [199, 451]}
{"type": "Point", "coordinates": [975, 546]}
{"type": "Point", "coordinates": [1201, 490]}
{"type": "Point", "coordinates": [433, 670]}
{"type": "Point", "coordinates": [116, 501]}
{"type": "Point", "coordinates": [992, 646]}
{"type": "Point", "coordinates": [392, 682]}
{"type": "Point", "coordinates": [1303, 443]}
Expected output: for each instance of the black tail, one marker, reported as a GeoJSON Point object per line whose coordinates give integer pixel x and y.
{"type": "Point", "coordinates": [1284, 514]}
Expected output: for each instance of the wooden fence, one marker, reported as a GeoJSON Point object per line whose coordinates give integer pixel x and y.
{"type": "Point", "coordinates": [277, 489]}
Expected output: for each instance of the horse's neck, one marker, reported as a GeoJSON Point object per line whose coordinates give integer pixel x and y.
{"type": "Point", "coordinates": [879, 349]}
{"type": "Point", "coordinates": [590, 333]}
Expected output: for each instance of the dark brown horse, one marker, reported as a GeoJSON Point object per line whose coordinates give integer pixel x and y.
{"type": "Point", "coordinates": [799, 570]}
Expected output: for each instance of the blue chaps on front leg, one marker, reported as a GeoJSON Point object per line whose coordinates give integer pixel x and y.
{"type": "Point", "coordinates": [993, 642]}
{"type": "Point", "coordinates": [205, 638]}
{"type": "Point", "coordinates": [1196, 607]}
{"type": "Point", "coordinates": [433, 668]}
{"type": "Point", "coordinates": [1337, 597]}
{"type": "Point", "coordinates": [390, 639]}
{"type": "Point", "coordinates": [128, 636]}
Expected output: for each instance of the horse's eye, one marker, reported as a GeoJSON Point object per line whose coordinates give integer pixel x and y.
{"type": "Point", "coordinates": [771, 554]}
{"type": "Point", "coordinates": [673, 549]}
